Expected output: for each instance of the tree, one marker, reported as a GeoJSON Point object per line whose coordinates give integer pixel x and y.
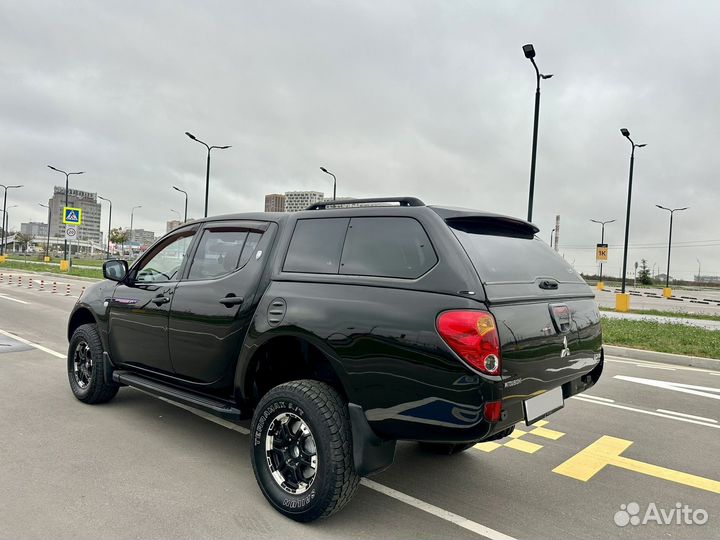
{"type": "Point", "coordinates": [644, 274]}
{"type": "Point", "coordinates": [23, 240]}
{"type": "Point", "coordinates": [118, 236]}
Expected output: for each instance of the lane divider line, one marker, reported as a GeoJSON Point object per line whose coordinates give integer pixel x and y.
{"type": "Point", "coordinates": [643, 411]}
{"type": "Point", "coordinates": [607, 400]}
{"type": "Point", "coordinates": [684, 415]}
{"type": "Point", "coordinates": [35, 345]}
{"type": "Point", "coordinates": [458, 520]}
{"type": "Point", "coordinates": [4, 297]}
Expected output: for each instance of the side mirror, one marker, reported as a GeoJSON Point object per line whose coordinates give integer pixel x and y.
{"type": "Point", "coordinates": [115, 269]}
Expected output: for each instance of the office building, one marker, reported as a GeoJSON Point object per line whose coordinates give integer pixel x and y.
{"type": "Point", "coordinates": [34, 229]}
{"type": "Point", "coordinates": [172, 224]}
{"type": "Point", "coordinates": [142, 237]}
{"type": "Point", "coordinates": [300, 200]}
{"type": "Point", "coordinates": [275, 202]}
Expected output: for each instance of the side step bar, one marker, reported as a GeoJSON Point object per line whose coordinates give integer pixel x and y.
{"type": "Point", "coordinates": [172, 393]}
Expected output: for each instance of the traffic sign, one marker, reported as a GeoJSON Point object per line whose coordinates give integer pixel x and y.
{"type": "Point", "coordinates": [70, 232]}
{"type": "Point", "coordinates": [601, 252]}
{"type": "Point", "coordinates": [72, 216]}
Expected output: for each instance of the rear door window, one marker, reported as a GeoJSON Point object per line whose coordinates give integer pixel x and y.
{"type": "Point", "coordinates": [395, 247]}
{"type": "Point", "coordinates": [316, 246]}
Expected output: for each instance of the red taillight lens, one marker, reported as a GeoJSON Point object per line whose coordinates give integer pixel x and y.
{"type": "Point", "coordinates": [474, 337]}
{"type": "Point", "coordinates": [492, 411]}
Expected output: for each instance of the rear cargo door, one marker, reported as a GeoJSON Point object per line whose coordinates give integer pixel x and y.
{"type": "Point", "coordinates": [547, 318]}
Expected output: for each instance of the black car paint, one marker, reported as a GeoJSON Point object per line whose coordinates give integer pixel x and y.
{"type": "Point", "coordinates": [378, 334]}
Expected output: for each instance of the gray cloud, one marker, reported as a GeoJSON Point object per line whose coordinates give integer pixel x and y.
{"type": "Point", "coordinates": [432, 99]}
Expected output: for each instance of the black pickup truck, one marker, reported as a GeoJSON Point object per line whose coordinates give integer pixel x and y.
{"type": "Point", "coordinates": [340, 330]}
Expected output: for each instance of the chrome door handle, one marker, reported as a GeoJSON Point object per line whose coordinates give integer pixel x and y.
{"type": "Point", "coordinates": [160, 300]}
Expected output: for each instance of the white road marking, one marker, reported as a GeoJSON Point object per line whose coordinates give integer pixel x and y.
{"type": "Point", "coordinates": [643, 411]}
{"type": "Point", "coordinates": [703, 391]}
{"type": "Point", "coordinates": [27, 342]}
{"type": "Point", "coordinates": [13, 299]}
{"type": "Point", "coordinates": [599, 398]}
{"type": "Point", "coordinates": [460, 521]}
{"type": "Point", "coordinates": [688, 415]}
{"type": "Point", "coordinates": [645, 363]}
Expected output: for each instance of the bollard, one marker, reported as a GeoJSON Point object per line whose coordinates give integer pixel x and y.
{"type": "Point", "coordinates": [67, 290]}
{"type": "Point", "coordinates": [1, 277]}
{"type": "Point", "coordinates": [54, 288]}
{"type": "Point", "coordinates": [19, 284]}
{"type": "Point", "coordinates": [42, 284]}
{"type": "Point", "coordinates": [30, 285]}
{"type": "Point", "coordinates": [10, 279]}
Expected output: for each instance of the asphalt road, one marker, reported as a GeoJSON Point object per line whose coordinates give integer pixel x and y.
{"type": "Point", "coordinates": [141, 467]}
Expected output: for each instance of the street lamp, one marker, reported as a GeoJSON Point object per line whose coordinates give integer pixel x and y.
{"type": "Point", "coordinates": [323, 169]}
{"type": "Point", "coordinates": [109, 223]}
{"type": "Point", "coordinates": [529, 51]}
{"type": "Point", "coordinates": [4, 234]}
{"type": "Point", "coordinates": [667, 292]}
{"type": "Point", "coordinates": [6, 220]}
{"type": "Point", "coordinates": [47, 246]}
{"type": "Point", "coordinates": [602, 241]}
{"type": "Point", "coordinates": [698, 261]}
{"type": "Point", "coordinates": [132, 216]}
{"type": "Point", "coordinates": [622, 300]}
{"type": "Point", "coordinates": [186, 199]}
{"type": "Point", "coordinates": [67, 181]}
{"type": "Point", "coordinates": [207, 170]}
{"type": "Point", "coordinates": [552, 233]}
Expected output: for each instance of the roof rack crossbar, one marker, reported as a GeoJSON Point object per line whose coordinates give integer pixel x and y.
{"type": "Point", "coordinates": [402, 201]}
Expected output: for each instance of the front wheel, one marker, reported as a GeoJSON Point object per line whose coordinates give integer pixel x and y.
{"type": "Point", "coordinates": [85, 367]}
{"type": "Point", "coordinates": [302, 450]}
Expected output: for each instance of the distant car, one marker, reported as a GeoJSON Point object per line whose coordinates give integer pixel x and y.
{"type": "Point", "coordinates": [340, 330]}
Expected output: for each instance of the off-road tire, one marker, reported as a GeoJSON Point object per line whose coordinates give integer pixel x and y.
{"type": "Point", "coordinates": [325, 414]}
{"type": "Point", "coordinates": [95, 389]}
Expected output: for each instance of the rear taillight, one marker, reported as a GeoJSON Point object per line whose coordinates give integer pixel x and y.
{"type": "Point", "coordinates": [474, 337]}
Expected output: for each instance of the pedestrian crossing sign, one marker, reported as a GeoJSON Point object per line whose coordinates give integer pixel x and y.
{"type": "Point", "coordinates": [72, 216]}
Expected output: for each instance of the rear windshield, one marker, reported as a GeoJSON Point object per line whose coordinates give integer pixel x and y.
{"type": "Point", "coordinates": [503, 259]}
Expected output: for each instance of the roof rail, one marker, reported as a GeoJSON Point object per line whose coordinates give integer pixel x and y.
{"type": "Point", "coordinates": [402, 201]}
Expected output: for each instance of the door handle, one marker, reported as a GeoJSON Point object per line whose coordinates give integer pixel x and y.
{"type": "Point", "coordinates": [160, 300]}
{"type": "Point", "coordinates": [233, 300]}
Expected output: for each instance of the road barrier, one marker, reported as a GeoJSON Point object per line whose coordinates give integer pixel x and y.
{"type": "Point", "coordinates": [10, 280]}
{"type": "Point", "coordinates": [2, 278]}
{"type": "Point", "coordinates": [67, 290]}
{"type": "Point", "coordinates": [54, 287]}
{"type": "Point", "coordinates": [42, 285]}
{"type": "Point", "coordinates": [19, 283]}
{"type": "Point", "coordinates": [30, 285]}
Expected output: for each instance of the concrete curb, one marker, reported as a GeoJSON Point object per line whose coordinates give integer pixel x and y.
{"type": "Point", "coordinates": [664, 358]}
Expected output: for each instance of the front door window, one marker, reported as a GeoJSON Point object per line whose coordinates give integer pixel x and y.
{"type": "Point", "coordinates": [165, 264]}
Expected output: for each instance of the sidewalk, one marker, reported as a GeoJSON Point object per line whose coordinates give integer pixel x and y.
{"type": "Point", "coordinates": [699, 323]}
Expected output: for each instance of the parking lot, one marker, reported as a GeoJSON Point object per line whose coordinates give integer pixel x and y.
{"type": "Point", "coordinates": [141, 467]}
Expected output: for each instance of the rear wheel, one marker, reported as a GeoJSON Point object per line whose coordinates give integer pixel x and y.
{"type": "Point", "coordinates": [447, 449]}
{"type": "Point", "coordinates": [85, 366]}
{"type": "Point", "coordinates": [302, 450]}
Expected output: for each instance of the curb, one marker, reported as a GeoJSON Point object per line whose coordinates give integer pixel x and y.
{"type": "Point", "coordinates": [51, 274]}
{"type": "Point", "coordinates": [664, 358]}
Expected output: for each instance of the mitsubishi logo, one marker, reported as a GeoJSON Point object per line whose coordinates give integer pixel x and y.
{"type": "Point", "coordinates": [566, 350]}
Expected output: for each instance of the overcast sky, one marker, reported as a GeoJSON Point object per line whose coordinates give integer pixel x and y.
{"type": "Point", "coordinates": [431, 99]}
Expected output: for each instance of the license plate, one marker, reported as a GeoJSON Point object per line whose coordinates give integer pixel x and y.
{"type": "Point", "coordinates": [543, 405]}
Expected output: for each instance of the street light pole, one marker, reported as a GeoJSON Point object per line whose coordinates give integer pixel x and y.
{"type": "Point", "coordinates": [132, 216]}
{"type": "Point", "coordinates": [602, 239]}
{"type": "Point", "coordinates": [4, 232]}
{"type": "Point", "coordinates": [552, 233]}
{"type": "Point", "coordinates": [323, 169]}
{"type": "Point", "coordinates": [186, 199]}
{"type": "Point", "coordinates": [109, 224]}
{"type": "Point", "coordinates": [6, 219]}
{"type": "Point", "coordinates": [207, 169]}
{"type": "Point", "coordinates": [668, 292]}
{"type": "Point", "coordinates": [47, 246]}
{"type": "Point", "coordinates": [699, 280]}
{"type": "Point", "coordinates": [624, 304]}
{"type": "Point", "coordinates": [67, 181]}
{"type": "Point", "coordinates": [529, 51]}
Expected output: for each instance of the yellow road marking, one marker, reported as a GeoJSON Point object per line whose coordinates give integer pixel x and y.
{"type": "Point", "coordinates": [547, 433]}
{"type": "Point", "coordinates": [517, 433]}
{"type": "Point", "coordinates": [541, 423]}
{"type": "Point", "coordinates": [487, 446]}
{"type": "Point", "coordinates": [607, 451]}
{"type": "Point", "coordinates": [523, 446]}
